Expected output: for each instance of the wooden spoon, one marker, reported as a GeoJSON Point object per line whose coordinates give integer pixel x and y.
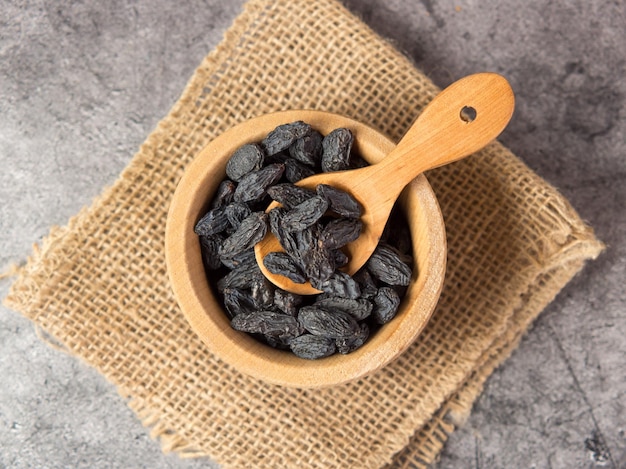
{"type": "Point", "coordinates": [459, 121]}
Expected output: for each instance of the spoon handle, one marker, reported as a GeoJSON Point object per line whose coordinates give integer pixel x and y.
{"type": "Point", "coordinates": [459, 121]}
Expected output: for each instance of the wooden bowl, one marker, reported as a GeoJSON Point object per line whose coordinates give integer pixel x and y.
{"type": "Point", "coordinates": [203, 310]}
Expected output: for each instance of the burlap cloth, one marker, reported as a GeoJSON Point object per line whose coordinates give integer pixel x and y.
{"type": "Point", "coordinates": [100, 287]}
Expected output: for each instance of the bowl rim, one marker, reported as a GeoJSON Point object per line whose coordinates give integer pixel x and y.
{"type": "Point", "coordinates": [198, 302]}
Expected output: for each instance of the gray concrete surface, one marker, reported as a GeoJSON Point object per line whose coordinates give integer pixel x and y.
{"type": "Point", "coordinates": [83, 83]}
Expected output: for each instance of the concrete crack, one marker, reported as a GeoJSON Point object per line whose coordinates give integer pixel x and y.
{"type": "Point", "coordinates": [477, 453]}
{"type": "Point", "coordinates": [597, 436]}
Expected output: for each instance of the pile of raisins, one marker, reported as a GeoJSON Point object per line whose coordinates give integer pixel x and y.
{"type": "Point", "coordinates": [312, 226]}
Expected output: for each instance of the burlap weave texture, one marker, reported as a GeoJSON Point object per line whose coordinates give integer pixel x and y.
{"type": "Point", "coordinates": [100, 287]}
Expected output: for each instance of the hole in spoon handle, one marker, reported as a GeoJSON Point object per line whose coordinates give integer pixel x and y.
{"type": "Point", "coordinates": [467, 114]}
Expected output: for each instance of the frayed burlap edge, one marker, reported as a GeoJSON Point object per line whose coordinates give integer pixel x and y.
{"type": "Point", "coordinates": [32, 277]}
{"type": "Point", "coordinates": [426, 444]}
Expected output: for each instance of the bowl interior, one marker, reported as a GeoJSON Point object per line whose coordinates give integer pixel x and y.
{"type": "Point", "coordinates": [203, 310]}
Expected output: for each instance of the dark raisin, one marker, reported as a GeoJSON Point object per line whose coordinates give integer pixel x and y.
{"type": "Point", "coordinates": [269, 323]}
{"type": "Point", "coordinates": [260, 204]}
{"type": "Point", "coordinates": [239, 259]}
{"type": "Point", "coordinates": [279, 157]}
{"type": "Point", "coordinates": [224, 194]}
{"type": "Point", "coordinates": [246, 159]}
{"type": "Point", "coordinates": [339, 284]}
{"type": "Point", "coordinates": [253, 186]}
{"type": "Point", "coordinates": [366, 283]}
{"type": "Point", "coordinates": [236, 213]}
{"type": "Point", "coordinates": [275, 218]}
{"type": "Point", "coordinates": [281, 263]}
{"type": "Point", "coordinates": [289, 195]}
{"type": "Point", "coordinates": [359, 309]}
{"type": "Point", "coordinates": [296, 171]}
{"type": "Point", "coordinates": [386, 264]}
{"type": "Point", "coordinates": [308, 149]}
{"type": "Point", "coordinates": [339, 232]}
{"type": "Point", "coordinates": [312, 347]}
{"type": "Point", "coordinates": [340, 201]}
{"type": "Point", "coordinates": [213, 222]}
{"type": "Point", "coordinates": [262, 292]}
{"type": "Point", "coordinates": [316, 261]}
{"type": "Point", "coordinates": [336, 148]}
{"type": "Point", "coordinates": [281, 343]}
{"type": "Point", "coordinates": [286, 239]}
{"type": "Point", "coordinates": [237, 301]}
{"type": "Point", "coordinates": [350, 344]}
{"type": "Point", "coordinates": [242, 276]}
{"type": "Point", "coordinates": [250, 231]}
{"type": "Point", "coordinates": [210, 246]}
{"type": "Point", "coordinates": [287, 302]}
{"type": "Point", "coordinates": [283, 136]}
{"type": "Point", "coordinates": [339, 258]}
{"type": "Point", "coordinates": [318, 266]}
{"type": "Point", "coordinates": [305, 214]}
{"type": "Point", "coordinates": [386, 304]}
{"type": "Point", "coordinates": [335, 325]}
